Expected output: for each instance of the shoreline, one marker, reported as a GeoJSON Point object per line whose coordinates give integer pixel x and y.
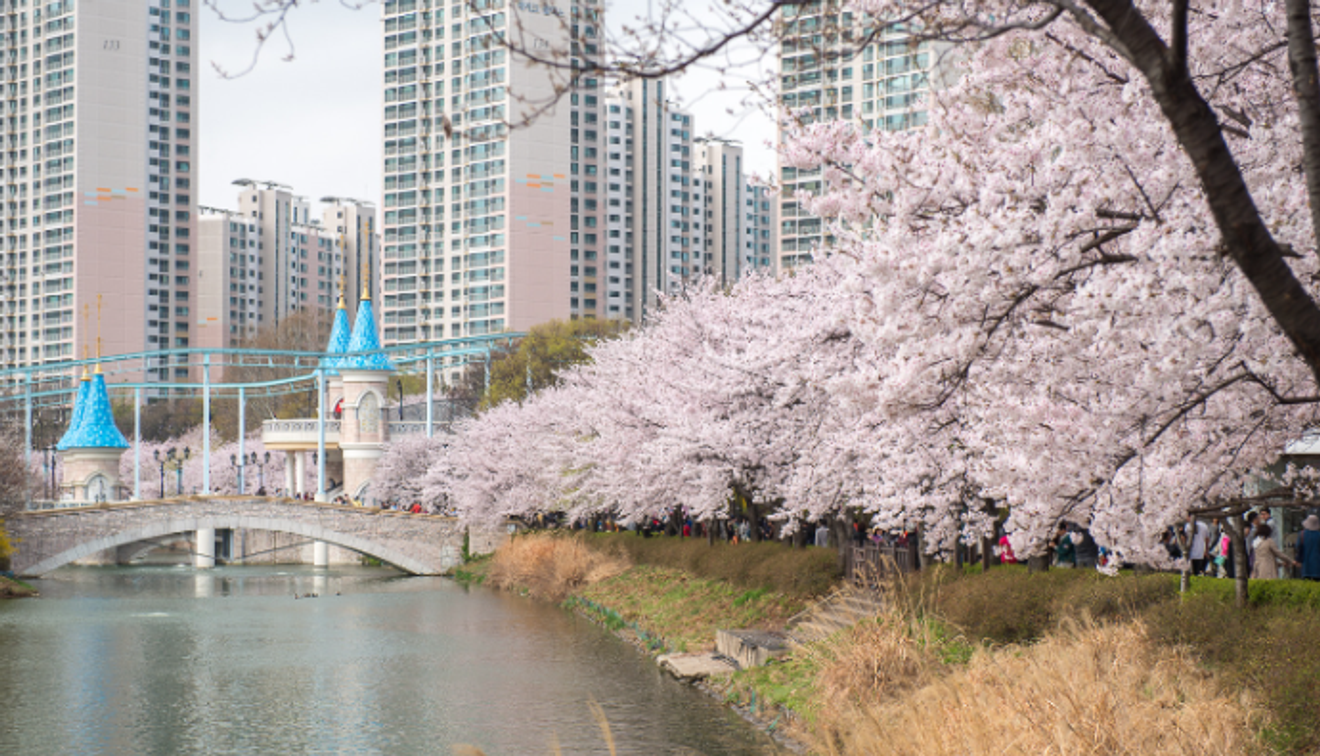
{"type": "Point", "coordinates": [630, 637]}
{"type": "Point", "coordinates": [11, 588]}
{"type": "Point", "coordinates": [775, 721]}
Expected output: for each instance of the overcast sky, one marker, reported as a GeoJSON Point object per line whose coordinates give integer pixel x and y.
{"type": "Point", "coordinates": [314, 123]}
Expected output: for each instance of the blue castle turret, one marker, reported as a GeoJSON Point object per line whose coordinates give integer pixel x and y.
{"type": "Point", "coordinates": [340, 336]}
{"type": "Point", "coordinates": [79, 408]}
{"type": "Point", "coordinates": [92, 446]}
{"type": "Point", "coordinates": [364, 430]}
{"type": "Point", "coordinates": [95, 422]}
{"type": "Point", "coordinates": [364, 339]}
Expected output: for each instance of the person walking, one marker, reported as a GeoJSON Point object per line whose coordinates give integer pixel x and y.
{"type": "Point", "coordinates": [1198, 544]}
{"type": "Point", "coordinates": [1308, 547]}
{"type": "Point", "coordinates": [1065, 553]}
{"type": "Point", "coordinates": [1268, 555]}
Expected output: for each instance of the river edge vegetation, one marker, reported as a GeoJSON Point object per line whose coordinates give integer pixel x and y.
{"type": "Point", "coordinates": [1066, 660]}
{"type": "Point", "coordinates": [10, 588]}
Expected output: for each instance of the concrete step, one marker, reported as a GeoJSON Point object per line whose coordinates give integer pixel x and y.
{"type": "Point", "coordinates": [750, 648]}
{"type": "Point", "coordinates": [838, 611]}
{"type": "Point", "coordinates": [692, 667]}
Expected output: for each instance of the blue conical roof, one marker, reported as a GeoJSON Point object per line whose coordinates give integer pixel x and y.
{"type": "Point", "coordinates": [97, 429]}
{"type": "Point", "coordinates": [79, 410]}
{"type": "Point", "coordinates": [364, 339]}
{"type": "Point", "coordinates": [340, 335]}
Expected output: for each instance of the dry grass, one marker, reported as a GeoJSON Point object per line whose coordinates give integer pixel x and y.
{"type": "Point", "coordinates": [872, 660]}
{"type": "Point", "coordinates": [1083, 690]}
{"type": "Point", "coordinates": [550, 567]}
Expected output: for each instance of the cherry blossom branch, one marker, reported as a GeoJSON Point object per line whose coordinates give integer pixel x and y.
{"type": "Point", "coordinates": [1306, 88]}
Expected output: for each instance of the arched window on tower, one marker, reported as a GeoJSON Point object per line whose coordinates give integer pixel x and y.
{"type": "Point", "coordinates": [369, 414]}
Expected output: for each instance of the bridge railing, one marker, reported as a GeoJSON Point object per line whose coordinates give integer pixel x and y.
{"type": "Point", "coordinates": [39, 505]}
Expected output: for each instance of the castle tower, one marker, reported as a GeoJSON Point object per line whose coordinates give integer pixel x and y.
{"type": "Point", "coordinates": [363, 429]}
{"type": "Point", "coordinates": [91, 448]}
{"type": "Point", "coordinates": [340, 335]}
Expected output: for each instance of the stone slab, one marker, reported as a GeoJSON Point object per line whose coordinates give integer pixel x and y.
{"type": "Point", "coordinates": [750, 648]}
{"type": "Point", "coordinates": [690, 667]}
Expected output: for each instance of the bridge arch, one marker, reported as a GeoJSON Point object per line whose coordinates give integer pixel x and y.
{"type": "Point", "coordinates": [148, 530]}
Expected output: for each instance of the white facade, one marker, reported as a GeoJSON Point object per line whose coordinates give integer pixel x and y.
{"type": "Point", "coordinates": [760, 218]}
{"type": "Point", "coordinates": [879, 86]}
{"type": "Point", "coordinates": [229, 278]}
{"type": "Point", "coordinates": [99, 173]}
{"type": "Point", "coordinates": [655, 229]}
{"type": "Point", "coordinates": [724, 192]}
{"type": "Point", "coordinates": [270, 258]}
{"type": "Point", "coordinates": [487, 229]}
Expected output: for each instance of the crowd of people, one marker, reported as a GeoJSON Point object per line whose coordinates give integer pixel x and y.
{"type": "Point", "coordinates": [1208, 546]}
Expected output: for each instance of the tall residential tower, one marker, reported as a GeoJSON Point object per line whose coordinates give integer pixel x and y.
{"type": "Point", "coordinates": [100, 173]}
{"type": "Point", "coordinates": [826, 75]}
{"type": "Point", "coordinates": [488, 227]}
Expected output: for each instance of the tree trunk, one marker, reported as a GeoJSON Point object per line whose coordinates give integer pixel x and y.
{"type": "Point", "coordinates": [840, 537]}
{"type": "Point", "coordinates": [709, 525]}
{"type": "Point", "coordinates": [1246, 236]}
{"type": "Point", "coordinates": [987, 552]}
{"type": "Point", "coordinates": [1240, 576]}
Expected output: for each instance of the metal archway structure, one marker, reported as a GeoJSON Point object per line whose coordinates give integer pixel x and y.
{"type": "Point", "coordinates": [54, 384]}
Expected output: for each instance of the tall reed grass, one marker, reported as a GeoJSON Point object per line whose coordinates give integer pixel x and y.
{"type": "Point", "coordinates": [550, 566]}
{"type": "Point", "coordinates": [1085, 689]}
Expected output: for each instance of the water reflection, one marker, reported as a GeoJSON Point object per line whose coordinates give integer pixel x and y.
{"type": "Point", "coordinates": [168, 660]}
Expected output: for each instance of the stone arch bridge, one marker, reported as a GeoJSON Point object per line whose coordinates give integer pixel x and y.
{"type": "Point", "coordinates": [417, 544]}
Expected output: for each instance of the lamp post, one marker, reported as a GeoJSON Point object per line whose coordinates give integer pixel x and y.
{"type": "Point", "coordinates": [155, 454]}
{"type": "Point", "coordinates": [172, 460]}
{"type": "Point", "coordinates": [178, 471]}
{"type": "Point", "coordinates": [51, 493]}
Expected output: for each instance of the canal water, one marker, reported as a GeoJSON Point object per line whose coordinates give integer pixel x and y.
{"type": "Point", "coordinates": [168, 660]}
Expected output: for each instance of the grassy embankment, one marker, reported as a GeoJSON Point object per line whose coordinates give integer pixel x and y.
{"type": "Point", "coordinates": [15, 589]}
{"type": "Point", "coordinates": [1065, 661]}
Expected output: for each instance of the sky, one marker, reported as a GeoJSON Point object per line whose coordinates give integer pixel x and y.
{"type": "Point", "coordinates": [314, 122]}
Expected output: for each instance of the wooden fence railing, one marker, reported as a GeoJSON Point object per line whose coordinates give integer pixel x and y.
{"type": "Point", "coordinates": [871, 562]}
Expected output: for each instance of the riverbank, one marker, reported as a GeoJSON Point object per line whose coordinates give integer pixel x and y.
{"type": "Point", "coordinates": [1064, 660]}
{"type": "Point", "coordinates": [10, 589]}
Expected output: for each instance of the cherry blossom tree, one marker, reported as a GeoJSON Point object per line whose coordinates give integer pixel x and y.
{"type": "Point", "coordinates": [401, 472]}
{"type": "Point", "coordinates": [1060, 294]}
{"type": "Point", "coordinates": [224, 473]}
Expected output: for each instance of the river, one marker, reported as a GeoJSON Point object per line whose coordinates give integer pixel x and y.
{"type": "Point", "coordinates": [168, 660]}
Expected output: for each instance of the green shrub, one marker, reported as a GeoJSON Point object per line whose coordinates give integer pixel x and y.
{"type": "Point", "coordinates": [1270, 648]}
{"type": "Point", "coordinates": [772, 566]}
{"type": "Point", "coordinates": [1010, 605]}
{"type": "Point", "coordinates": [1296, 593]}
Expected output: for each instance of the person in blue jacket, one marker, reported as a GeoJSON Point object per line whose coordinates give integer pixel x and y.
{"type": "Point", "coordinates": [1308, 548]}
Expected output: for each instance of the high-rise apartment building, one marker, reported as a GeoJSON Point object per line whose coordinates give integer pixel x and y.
{"type": "Point", "coordinates": [100, 169]}
{"type": "Point", "coordinates": [826, 75]}
{"type": "Point", "coordinates": [656, 238]}
{"type": "Point", "coordinates": [271, 259]}
{"type": "Point", "coordinates": [760, 216]}
{"type": "Point", "coordinates": [720, 169]}
{"type": "Point", "coordinates": [485, 227]}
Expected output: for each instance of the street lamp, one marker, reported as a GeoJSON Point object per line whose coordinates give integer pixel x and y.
{"type": "Point", "coordinates": [178, 471]}
{"type": "Point", "coordinates": [51, 493]}
{"type": "Point", "coordinates": [156, 455]}
{"type": "Point", "coordinates": [175, 462]}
